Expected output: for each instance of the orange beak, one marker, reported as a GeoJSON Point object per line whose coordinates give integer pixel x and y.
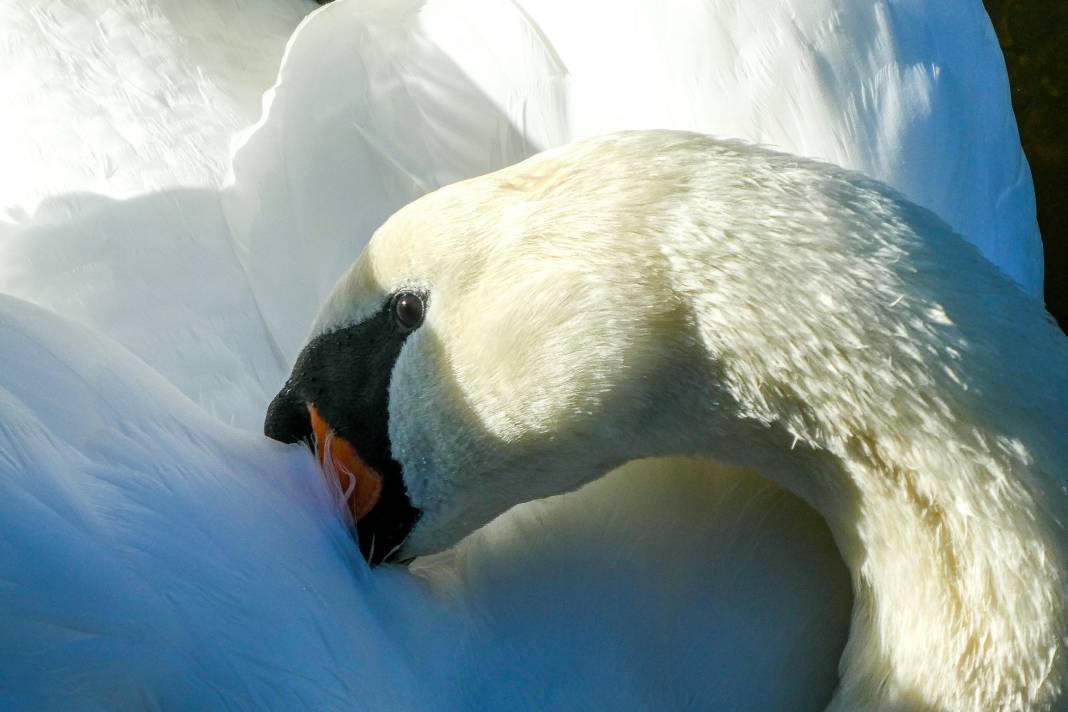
{"type": "Point", "coordinates": [359, 483]}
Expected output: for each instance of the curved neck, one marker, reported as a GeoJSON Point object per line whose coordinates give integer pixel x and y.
{"type": "Point", "coordinates": [926, 427]}
{"type": "Point", "coordinates": [957, 565]}
{"type": "Point", "coordinates": [959, 603]}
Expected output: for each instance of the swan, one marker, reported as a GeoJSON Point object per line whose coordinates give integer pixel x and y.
{"type": "Point", "coordinates": [182, 254]}
{"type": "Point", "coordinates": [664, 294]}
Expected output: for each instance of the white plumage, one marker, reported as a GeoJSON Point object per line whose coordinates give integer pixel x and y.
{"type": "Point", "coordinates": [186, 562]}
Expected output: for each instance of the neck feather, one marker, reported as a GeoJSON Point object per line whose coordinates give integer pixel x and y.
{"type": "Point", "coordinates": [856, 366]}
{"type": "Point", "coordinates": [960, 590]}
{"type": "Point", "coordinates": [957, 558]}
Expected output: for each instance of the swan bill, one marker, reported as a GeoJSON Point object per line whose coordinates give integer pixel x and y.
{"type": "Point", "coordinates": [336, 402]}
{"type": "Point", "coordinates": [359, 485]}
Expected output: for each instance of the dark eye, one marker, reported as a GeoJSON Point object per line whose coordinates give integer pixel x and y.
{"type": "Point", "coordinates": [408, 310]}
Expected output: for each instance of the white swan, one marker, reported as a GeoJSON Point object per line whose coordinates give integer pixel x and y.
{"type": "Point", "coordinates": [378, 102]}
{"type": "Point", "coordinates": [659, 294]}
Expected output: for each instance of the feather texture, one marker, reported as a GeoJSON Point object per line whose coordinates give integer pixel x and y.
{"type": "Point", "coordinates": [152, 555]}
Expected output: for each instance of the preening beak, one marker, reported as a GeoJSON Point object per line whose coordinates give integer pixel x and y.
{"type": "Point", "coordinates": [337, 402]}
{"type": "Point", "coordinates": [378, 505]}
{"type": "Point", "coordinates": [359, 484]}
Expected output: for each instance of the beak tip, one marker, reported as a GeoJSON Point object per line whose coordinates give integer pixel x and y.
{"type": "Point", "coordinates": [287, 419]}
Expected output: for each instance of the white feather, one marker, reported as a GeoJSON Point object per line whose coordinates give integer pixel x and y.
{"type": "Point", "coordinates": [152, 556]}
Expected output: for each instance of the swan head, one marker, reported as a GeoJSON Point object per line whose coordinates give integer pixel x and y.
{"type": "Point", "coordinates": [502, 339]}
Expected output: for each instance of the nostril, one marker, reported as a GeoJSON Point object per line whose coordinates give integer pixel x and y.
{"type": "Point", "coordinates": [288, 420]}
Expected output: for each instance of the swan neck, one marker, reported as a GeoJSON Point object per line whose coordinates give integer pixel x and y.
{"type": "Point", "coordinates": [922, 437]}
{"type": "Point", "coordinates": [959, 591]}
{"type": "Point", "coordinates": [959, 602]}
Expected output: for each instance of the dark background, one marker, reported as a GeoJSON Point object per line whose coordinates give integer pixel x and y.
{"type": "Point", "coordinates": [1034, 38]}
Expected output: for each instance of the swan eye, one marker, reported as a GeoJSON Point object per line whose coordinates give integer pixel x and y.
{"type": "Point", "coordinates": [408, 310]}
